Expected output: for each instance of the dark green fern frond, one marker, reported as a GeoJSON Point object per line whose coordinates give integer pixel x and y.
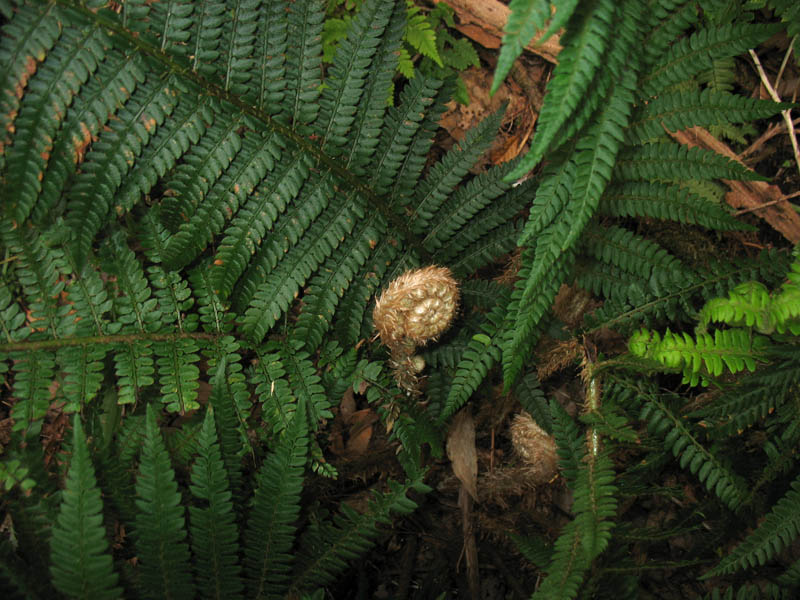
{"type": "Point", "coordinates": [696, 53]}
{"type": "Point", "coordinates": [694, 455]}
{"type": "Point", "coordinates": [254, 219]}
{"type": "Point", "coordinates": [191, 180]}
{"type": "Point", "coordinates": [665, 22]}
{"type": "Point", "coordinates": [305, 383]}
{"type": "Point", "coordinates": [779, 529]}
{"type": "Point", "coordinates": [160, 528]}
{"type": "Point", "coordinates": [81, 564]}
{"type": "Point", "coordinates": [522, 324]}
{"type": "Point", "coordinates": [92, 194]}
{"type": "Point", "coordinates": [445, 175]}
{"type": "Point", "coordinates": [665, 201]}
{"type": "Point", "coordinates": [326, 547]}
{"type": "Point", "coordinates": [213, 530]}
{"type": "Point", "coordinates": [346, 79]}
{"type": "Point", "coordinates": [256, 158]}
{"type": "Point", "coordinates": [672, 161]}
{"type": "Point", "coordinates": [304, 62]}
{"type": "Point", "coordinates": [678, 110]}
{"type": "Point", "coordinates": [526, 19]}
{"type": "Point", "coordinates": [587, 36]}
{"type": "Point", "coordinates": [272, 524]}
{"type": "Point", "coordinates": [481, 354]}
{"type": "Point", "coordinates": [632, 253]}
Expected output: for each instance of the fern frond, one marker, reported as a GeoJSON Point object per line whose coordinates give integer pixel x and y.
{"type": "Point", "coordinates": [672, 161]}
{"type": "Point", "coordinates": [466, 202]}
{"type": "Point", "coordinates": [83, 373]}
{"type": "Point", "coordinates": [696, 53]}
{"type": "Point", "coordinates": [178, 374]}
{"type": "Point", "coordinates": [31, 34]}
{"type": "Point", "coordinates": [254, 219]}
{"type": "Point", "coordinates": [665, 24]}
{"type": "Point", "coordinates": [304, 62]}
{"type": "Point", "coordinates": [175, 138]}
{"type": "Point", "coordinates": [471, 247]}
{"type": "Point", "coordinates": [365, 135]}
{"type": "Point", "coordinates": [39, 270]}
{"type": "Point", "coordinates": [694, 456]}
{"type": "Point", "coordinates": [530, 395]}
{"type": "Point", "coordinates": [33, 375]}
{"type": "Point", "coordinates": [269, 85]}
{"type": "Point", "coordinates": [570, 442]}
{"type": "Point", "coordinates": [567, 568]}
{"type": "Point", "coordinates": [695, 108]}
{"type": "Point", "coordinates": [133, 364]}
{"type": "Point", "coordinates": [257, 157]}
{"type": "Point", "coordinates": [110, 159]}
{"type": "Point", "coordinates": [668, 202]}
{"type": "Point", "coordinates": [268, 375]}
{"type": "Point", "coordinates": [326, 546]}
{"type": "Point", "coordinates": [228, 394]}
{"type": "Point", "coordinates": [200, 168]}
{"type": "Point", "coordinates": [272, 525]}
{"type": "Point", "coordinates": [212, 526]}
{"type": "Point", "coordinates": [305, 383]}
{"type": "Point", "coordinates": [273, 297]}
{"type": "Point", "coordinates": [753, 398]}
{"type": "Point", "coordinates": [776, 532]}
{"type": "Point", "coordinates": [526, 18]}
{"type": "Point", "coordinates": [586, 39]}
{"type": "Point", "coordinates": [400, 129]}
{"type": "Point", "coordinates": [81, 564]}
{"type": "Point", "coordinates": [621, 60]}
{"type": "Point", "coordinates": [481, 355]}
{"type": "Point", "coordinates": [235, 65]}
{"type": "Point", "coordinates": [334, 278]}
{"type": "Point", "coordinates": [160, 529]}
{"type": "Point", "coordinates": [734, 349]}
{"type": "Point", "coordinates": [522, 324]}
{"type": "Point", "coordinates": [594, 160]}
{"type": "Point", "coordinates": [595, 505]}
{"type": "Point", "coordinates": [43, 110]}
{"type": "Point", "coordinates": [346, 78]}
{"type": "Point", "coordinates": [445, 175]}
{"type": "Point", "coordinates": [634, 254]}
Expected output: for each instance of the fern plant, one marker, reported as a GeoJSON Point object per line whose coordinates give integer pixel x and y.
{"type": "Point", "coordinates": [197, 214]}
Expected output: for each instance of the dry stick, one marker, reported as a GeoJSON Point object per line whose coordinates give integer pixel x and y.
{"type": "Point", "coordinates": [772, 130]}
{"type": "Point", "coordinates": [786, 113]}
{"type": "Point", "coordinates": [770, 203]}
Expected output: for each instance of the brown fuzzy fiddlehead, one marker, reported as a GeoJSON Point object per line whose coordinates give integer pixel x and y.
{"type": "Point", "coordinates": [414, 309]}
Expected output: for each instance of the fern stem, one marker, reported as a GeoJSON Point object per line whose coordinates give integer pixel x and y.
{"type": "Point", "coordinates": [105, 339]}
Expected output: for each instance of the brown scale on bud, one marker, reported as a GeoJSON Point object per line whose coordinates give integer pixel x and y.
{"type": "Point", "coordinates": [535, 447]}
{"type": "Point", "coordinates": [414, 309]}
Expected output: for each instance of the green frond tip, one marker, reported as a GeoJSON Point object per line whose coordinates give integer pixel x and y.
{"type": "Point", "coordinates": [272, 525]}
{"type": "Point", "coordinates": [81, 563]}
{"type": "Point", "coordinates": [214, 534]}
{"type": "Point", "coordinates": [526, 18]}
{"type": "Point", "coordinates": [160, 527]}
{"type": "Point", "coordinates": [703, 356]}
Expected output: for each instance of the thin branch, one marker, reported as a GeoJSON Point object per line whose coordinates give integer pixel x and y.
{"type": "Point", "coordinates": [770, 203]}
{"type": "Point", "coordinates": [786, 113]}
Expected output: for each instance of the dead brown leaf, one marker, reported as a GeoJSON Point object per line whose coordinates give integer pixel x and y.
{"type": "Point", "coordinates": [462, 453]}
